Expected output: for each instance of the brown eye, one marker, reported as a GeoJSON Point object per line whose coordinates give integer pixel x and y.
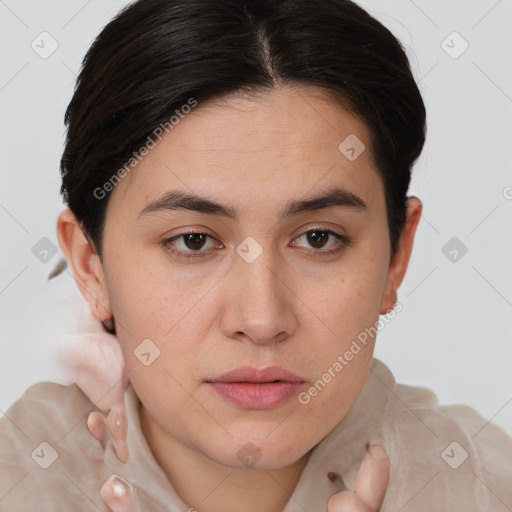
{"type": "Point", "coordinates": [191, 244]}
{"type": "Point", "coordinates": [194, 241]}
{"type": "Point", "coordinates": [319, 238]}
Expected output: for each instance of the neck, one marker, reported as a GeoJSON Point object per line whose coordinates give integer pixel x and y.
{"type": "Point", "coordinates": [208, 486]}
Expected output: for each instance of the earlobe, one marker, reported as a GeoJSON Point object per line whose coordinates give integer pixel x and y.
{"type": "Point", "coordinates": [389, 300]}
{"type": "Point", "coordinates": [84, 263]}
{"type": "Point", "coordinates": [400, 259]}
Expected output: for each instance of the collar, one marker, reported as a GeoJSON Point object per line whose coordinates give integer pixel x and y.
{"type": "Point", "coordinates": [335, 460]}
{"type": "Point", "coordinates": [332, 466]}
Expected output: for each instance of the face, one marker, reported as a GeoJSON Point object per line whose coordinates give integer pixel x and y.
{"type": "Point", "coordinates": [265, 283]}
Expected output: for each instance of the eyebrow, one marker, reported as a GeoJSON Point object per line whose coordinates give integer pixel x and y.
{"type": "Point", "coordinates": [179, 200]}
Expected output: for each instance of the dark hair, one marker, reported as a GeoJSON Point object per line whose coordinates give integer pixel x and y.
{"type": "Point", "coordinates": [156, 55]}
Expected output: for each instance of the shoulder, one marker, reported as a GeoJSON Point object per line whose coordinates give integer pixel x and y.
{"type": "Point", "coordinates": [47, 452]}
{"type": "Point", "coordinates": [448, 454]}
{"type": "Point", "coordinates": [443, 457]}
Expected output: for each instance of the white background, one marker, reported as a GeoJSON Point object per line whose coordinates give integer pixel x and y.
{"type": "Point", "coordinates": [453, 335]}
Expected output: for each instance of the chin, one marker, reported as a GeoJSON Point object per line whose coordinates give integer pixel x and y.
{"type": "Point", "coordinates": [260, 453]}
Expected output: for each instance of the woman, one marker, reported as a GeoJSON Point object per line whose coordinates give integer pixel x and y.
{"type": "Point", "coordinates": [237, 174]}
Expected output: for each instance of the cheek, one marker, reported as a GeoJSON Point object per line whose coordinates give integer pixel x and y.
{"type": "Point", "coordinates": [330, 397]}
{"type": "Point", "coordinates": [349, 304]}
{"type": "Point", "coordinates": [350, 308]}
{"type": "Point", "coordinates": [160, 328]}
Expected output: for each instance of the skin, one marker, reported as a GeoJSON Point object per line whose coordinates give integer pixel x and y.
{"type": "Point", "coordinates": [368, 495]}
{"type": "Point", "coordinates": [292, 306]}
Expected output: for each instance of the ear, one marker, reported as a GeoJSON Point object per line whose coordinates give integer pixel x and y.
{"type": "Point", "coordinates": [85, 264]}
{"type": "Point", "coordinates": [400, 260]}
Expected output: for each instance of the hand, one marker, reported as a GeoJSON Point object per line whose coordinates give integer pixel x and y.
{"type": "Point", "coordinates": [79, 350]}
{"type": "Point", "coordinates": [99, 371]}
{"type": "Point", "coordinates": [371, 483]}
{"type": "Point", "coordinates": [90, 357]}
{"type": "Point", "coordinates": [116, 492]}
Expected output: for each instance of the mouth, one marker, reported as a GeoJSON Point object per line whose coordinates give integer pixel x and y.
{"type": "Point", "coordinates": [252, 388]}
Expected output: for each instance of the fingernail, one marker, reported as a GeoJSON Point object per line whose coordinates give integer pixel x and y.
{"type": "Point", "coordinates": [117, 417]}
{"type": "Point", "coordinates": [377, 451]}
{"type": "Point", "coordinates": [120, 487]}
{"type": "Point", "coordinates": [118, 490]}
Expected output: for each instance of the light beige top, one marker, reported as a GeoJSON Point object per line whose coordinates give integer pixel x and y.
{"type": "Point", "coordinates": [443, 459]}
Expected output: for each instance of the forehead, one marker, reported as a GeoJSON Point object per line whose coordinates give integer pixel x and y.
{"type": "Point", "coordinates": [291, 119]}
{"type": "Point", "coordinates": [250, 149]}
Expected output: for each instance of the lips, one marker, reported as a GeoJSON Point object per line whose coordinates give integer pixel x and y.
{"type": "Point", "coordinates": [250, 374]}
{"type": "Point", "coordinates": [252, 388]}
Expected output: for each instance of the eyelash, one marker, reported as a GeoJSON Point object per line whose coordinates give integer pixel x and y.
{"type": "Point", "coordinates": [344, 242]}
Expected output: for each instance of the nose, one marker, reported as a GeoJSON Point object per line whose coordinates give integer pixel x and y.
{"type": "Point", "coordinates": [259, 304]}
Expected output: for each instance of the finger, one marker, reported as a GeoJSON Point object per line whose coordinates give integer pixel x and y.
{"type": "Point", "coordinates": [118, 426]}
{"type": "Point", "coordinates": [96, 426]}
{"type": "Point", "coordinates": [373, 477]}
{"type": "Point", "coordinates": [346, 501]}
{"type": "Point", "coordinates": [118, 494]}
